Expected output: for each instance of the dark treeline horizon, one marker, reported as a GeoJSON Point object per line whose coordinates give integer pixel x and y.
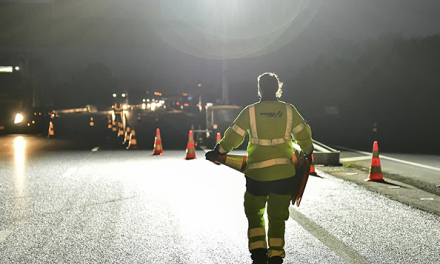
{"type": "Point", "coordinates": [384, 89]}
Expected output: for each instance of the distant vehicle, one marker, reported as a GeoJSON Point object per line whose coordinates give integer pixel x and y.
{"type": "Point", "coordinates": [218, 119]}
{"type": "Point", "coordinates": [18, 113]}
{"type": "Point", "coordinates": [92, 108]}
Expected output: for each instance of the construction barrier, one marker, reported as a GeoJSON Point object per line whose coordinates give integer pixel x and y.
{"type": "Point", "coordinates": [127, 135]}
{"type": "Point", "coordinates": [375, 173]}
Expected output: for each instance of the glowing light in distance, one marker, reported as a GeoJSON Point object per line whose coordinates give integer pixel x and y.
{"type": "Point", "coordinates": [18, 118]}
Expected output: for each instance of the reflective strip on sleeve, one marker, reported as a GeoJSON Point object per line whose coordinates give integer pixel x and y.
{"type": "Point", "coordinates": [269, 142]}
{"type": "Point", "coordinates": [257, 244]}
{"type": "Point", "coordinates": [221, 149]}
{"type": "Point", "coordinates": [239, 130]}
{"type": "Point", "coordinates": [289, 122]}
{"type": "Point", "coordinates": [268, 163]}
{"type": "Point", "coordinates": [276, 242]}
{"type": "Point", "coordinates": [299, 127]}
{"type": "Point", "coordinates": [255, 232]}
{"type": "Point", "coordinates": [252, 121]}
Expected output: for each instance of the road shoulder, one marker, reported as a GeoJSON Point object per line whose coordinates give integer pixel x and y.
{"type": "Point", "coordinates": [393, 189]}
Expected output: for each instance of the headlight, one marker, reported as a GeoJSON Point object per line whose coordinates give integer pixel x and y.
{"type": "Point", "coordinates": [18, 118]}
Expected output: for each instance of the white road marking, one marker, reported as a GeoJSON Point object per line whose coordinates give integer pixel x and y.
{"type": "Point", "coordinates": [70, 172]}
{"type": "Point", "coordinates": [394, 159]}
{"type": "Point", "coordinates": [354, 159]}
{"type": "Point", "coordinates": [95, 149]}
{"type": "Point", "coordinates": [336, 245]}
{"type": "Point", "coordinates": [4, 234]}
{"type": "Point", "coordinates": [427, 199]}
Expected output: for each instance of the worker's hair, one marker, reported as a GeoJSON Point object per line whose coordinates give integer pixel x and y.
{"type": "Point", "coordinates": [269, 82]}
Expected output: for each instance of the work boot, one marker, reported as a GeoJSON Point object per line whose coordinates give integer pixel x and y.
{"type": "Point", "coordinates": [259, 256]}
{"type": "Point", "coordinates": [275, 260]}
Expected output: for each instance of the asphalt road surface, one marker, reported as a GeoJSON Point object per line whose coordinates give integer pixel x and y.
{"type": "Point", "coordinates": [82, 197]}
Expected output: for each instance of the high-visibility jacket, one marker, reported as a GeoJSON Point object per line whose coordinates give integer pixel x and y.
{"type": "Point", "coordinates": [270, 125]}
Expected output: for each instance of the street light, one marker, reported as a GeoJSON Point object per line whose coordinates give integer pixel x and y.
{"type": "Point", "coordinates": [114, 95]}
{"type": "Point", "coordinates": [123, 95]}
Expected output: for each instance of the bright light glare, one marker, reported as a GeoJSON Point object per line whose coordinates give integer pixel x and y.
{"type": "Point", "coordinates": [124, 107]}
{"type": "Point", "coordinates": [231, 28]}
{"type": "Point", "coordinates": [17, 68]}
{"type": "Point", "coordinates": [18, 118]}
{"type": "Point", "coordinates": [143, 106]}
{"type": "Point", "coordinates": [114, 95]}
{"type": "Point", "coordinates": [123, 95]}
{"type": "Point", "coordinates": [6, 69]}
{"type": "Point", "coordinates": [153, 106]}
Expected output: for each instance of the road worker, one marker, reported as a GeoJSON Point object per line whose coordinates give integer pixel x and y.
{"type": "Point", "coordinates": [269, 172]}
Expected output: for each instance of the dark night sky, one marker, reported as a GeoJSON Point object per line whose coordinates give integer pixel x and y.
{"type": "Point", "coordinates": [145, 47]}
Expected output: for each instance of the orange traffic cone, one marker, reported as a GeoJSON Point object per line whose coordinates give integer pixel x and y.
{"type": "Point", "coordinates": [132, 144]}
{"type": "Point", "coordinates": [91, 122]}
{"type": "Point", "coordinates": [375, 173]}
{"type": "Point", "coordinates": [236, 162]}
{"type": "Point", "coordinates": [219, 137]}
{"type": "Point", "coordinates": [127, 135]}
{"type": "Point", "coordinates": [121, 129]}
{"type": "Point", "coordinates": [51, 131]}
{"type": "Point", "coordinates": [109, 123]}
{"type": "Point", "coordinates": [158, 150]}
{"type": "Point", "coordinates": [190, 150]}
{"type": "Point", "coordinates": [139, 117]}
{"type": "Point", "coordinates": [114, 126]}
{"type": "Point", "coordinates": [312, 167]}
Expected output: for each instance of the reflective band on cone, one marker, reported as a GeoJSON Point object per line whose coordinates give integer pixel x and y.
{"type": "Point", "coordinates": [158, 150]}
{"type": "Point", "coordinates": [190, 149]}
{"type": "Point", "coordinates": [375, 173]}
{"type": "Point", "coordinates": [236, 162]}
{"type": "Point", "coordinates": [127, 135]}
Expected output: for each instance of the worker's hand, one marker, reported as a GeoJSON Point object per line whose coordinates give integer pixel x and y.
{"type": "Point", "coordinates": [212, 155]}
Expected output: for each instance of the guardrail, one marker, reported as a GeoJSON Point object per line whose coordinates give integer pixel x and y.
{"type": "Point", "coordinates": [324, 155]}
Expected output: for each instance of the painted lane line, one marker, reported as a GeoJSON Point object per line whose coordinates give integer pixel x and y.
{"type": "Point", "coordinates": [95, 149]}
{"type": "Point", "coordinates": [337, 246]}
{"type": "Point", "coordinates": [394, 159]}
{"type": "Point", "coordinates": [427, 199]}
{"type": "Point", "coordinates": [354, 159]}
{"type": "Point", "coordinates": [70, 172]}
{"type": "Point", "coordinates": [4, 234]}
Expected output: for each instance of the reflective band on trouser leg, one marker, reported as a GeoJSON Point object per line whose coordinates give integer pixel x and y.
{"type": "Point", "coordinates": [254, 207]}
{"type": "Point", "coordinates": [276, 247]}
{"type": "Point", "coordinates": [267, 163]}
{"type": "Point", "coordinates": [277, 213]}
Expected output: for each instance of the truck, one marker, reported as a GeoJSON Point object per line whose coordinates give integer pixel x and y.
{"type": "Point", "coordinates": [19, 109]}
{"type": "Point", "coordinates": [218, 118]}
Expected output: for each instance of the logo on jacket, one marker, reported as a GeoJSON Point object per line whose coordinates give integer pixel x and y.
{"type": "Point", "coordinates": [272, 114]}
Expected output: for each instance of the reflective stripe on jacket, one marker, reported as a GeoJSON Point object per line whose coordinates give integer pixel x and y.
{"type": "Point", "coordinates": [270, 125]}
